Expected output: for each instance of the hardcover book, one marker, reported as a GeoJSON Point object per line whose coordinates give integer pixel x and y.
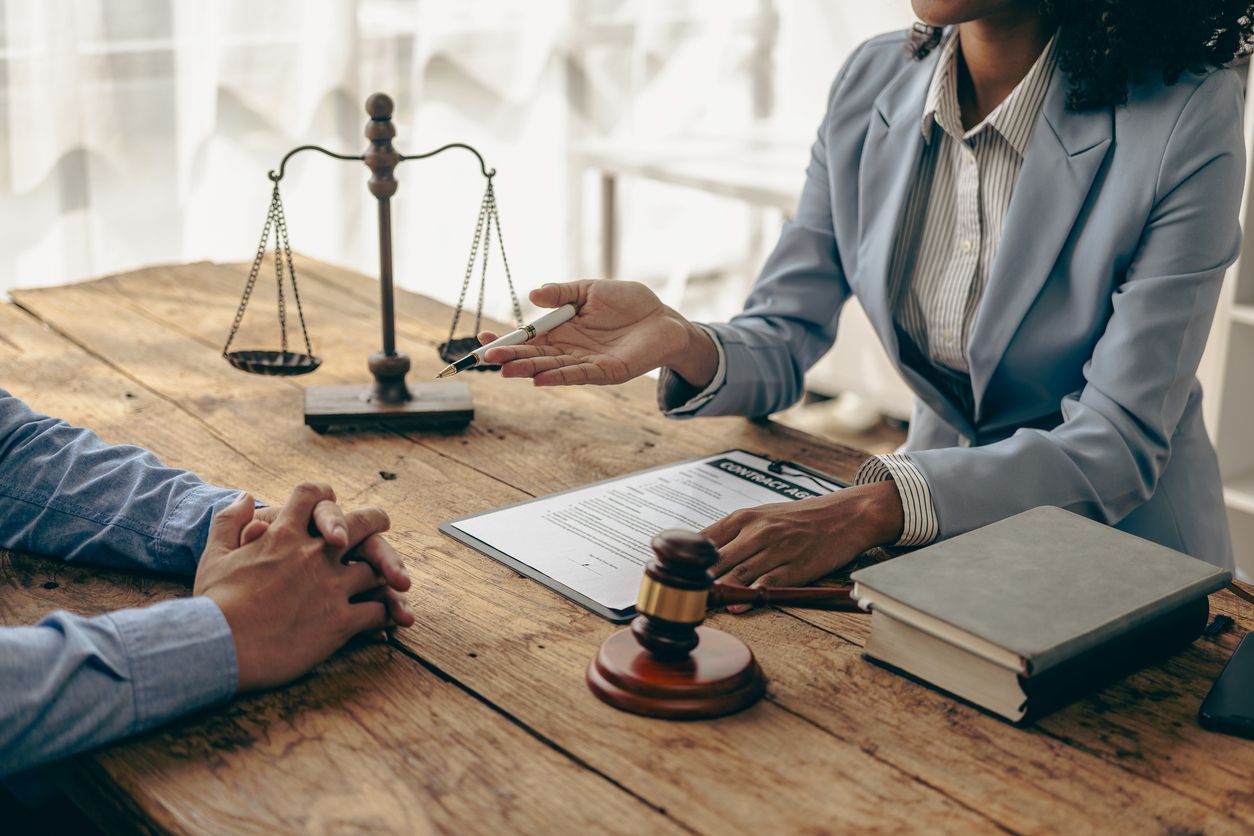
{"type": "Point", "coordinates": [1030, 612]}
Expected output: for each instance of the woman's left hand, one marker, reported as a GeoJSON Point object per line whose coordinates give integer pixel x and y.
{"type": "Point", "coordinates": [794, 543]}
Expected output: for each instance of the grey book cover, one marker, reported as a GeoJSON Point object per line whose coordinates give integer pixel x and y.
{"type": "Point", "coordinates": [1046, 584]}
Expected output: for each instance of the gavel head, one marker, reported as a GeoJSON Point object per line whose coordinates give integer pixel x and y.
{"type": "Point", "coordinates": [673, 593]}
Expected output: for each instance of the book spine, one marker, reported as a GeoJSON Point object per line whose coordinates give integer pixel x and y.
{"type": "Point", "coordinates": [1099, 666]}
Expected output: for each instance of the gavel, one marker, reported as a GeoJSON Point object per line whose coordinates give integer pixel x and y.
{"type": "Point", "coordinates": [667, 664]}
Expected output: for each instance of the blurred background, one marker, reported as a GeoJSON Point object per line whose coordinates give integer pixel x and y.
{"type": "Point", "coordinates": [658, 140]}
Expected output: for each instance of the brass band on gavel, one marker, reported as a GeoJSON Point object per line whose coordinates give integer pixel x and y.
{"type": "Point", "coordinates": [681, 606]}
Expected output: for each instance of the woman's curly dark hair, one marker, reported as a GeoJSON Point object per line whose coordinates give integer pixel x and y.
{"type": "Point", "coordinates": [1105, 45]}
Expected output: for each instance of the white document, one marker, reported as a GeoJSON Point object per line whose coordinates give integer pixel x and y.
{"type": "Point", "coordinates": [595, 540]}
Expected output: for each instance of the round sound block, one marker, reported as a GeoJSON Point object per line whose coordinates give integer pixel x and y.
{"type": "Point", "coordinates": [719, 677]}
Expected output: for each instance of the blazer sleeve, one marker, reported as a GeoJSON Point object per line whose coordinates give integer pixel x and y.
{"type": "Point", "coordinates": [789, 320]}
{"type": "Point", "coordinates": [1106, 456]}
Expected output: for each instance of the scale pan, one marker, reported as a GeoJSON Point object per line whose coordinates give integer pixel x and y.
{"type": "Point", "coordinates": [276, 363]}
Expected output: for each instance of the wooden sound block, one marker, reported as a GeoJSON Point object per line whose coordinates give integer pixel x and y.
{"type": "Point", "coordinates": [719, 677]}
{"type": "Point", "coordinates": [434, 406]}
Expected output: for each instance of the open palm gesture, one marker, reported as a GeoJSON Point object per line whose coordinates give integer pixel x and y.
{"type": "Point", "coordinates": [621, 331]}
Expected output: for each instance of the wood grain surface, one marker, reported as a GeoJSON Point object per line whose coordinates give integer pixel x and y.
{"type": "Point", "coordinates": [477, 718]}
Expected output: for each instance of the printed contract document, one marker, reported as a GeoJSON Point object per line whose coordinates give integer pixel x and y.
{"type": "Point", "coordinates": [594, 541]}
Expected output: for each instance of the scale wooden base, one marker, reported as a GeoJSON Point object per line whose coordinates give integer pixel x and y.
{"type": "Point", "coordinates": [433, 406]}
{"type": "Point", "coordinates": [720, 676]}
{"type": "Point", "coordinates": [389, 402]}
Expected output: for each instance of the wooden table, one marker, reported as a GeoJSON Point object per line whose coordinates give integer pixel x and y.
{"type": "Point", "coordinates": [477, 718]}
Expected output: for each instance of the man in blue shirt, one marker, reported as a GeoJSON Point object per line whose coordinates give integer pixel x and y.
{"type": "Point", "coordinates": [271, 599]}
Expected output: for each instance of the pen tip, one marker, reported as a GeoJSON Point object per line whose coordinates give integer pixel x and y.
{"type": "Point", "coordinates": [447, 371]}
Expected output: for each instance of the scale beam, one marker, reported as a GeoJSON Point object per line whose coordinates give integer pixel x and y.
{"type": "Point", "coordinates": [389, 401]}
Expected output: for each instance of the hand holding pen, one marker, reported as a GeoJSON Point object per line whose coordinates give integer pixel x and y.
{"type": "Point", "coordinates": [620, 330]}
{"type": "Point", "coordinates": [540, 327]}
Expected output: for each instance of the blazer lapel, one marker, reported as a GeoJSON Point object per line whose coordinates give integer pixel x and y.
{"type": "Point", "coordinates": [1066, 151]}
{"type": "Point", "coordinates": [890, 163]}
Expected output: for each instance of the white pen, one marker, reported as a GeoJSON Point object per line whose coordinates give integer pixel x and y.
{"type": "Point", "coordinates": [543, 325]}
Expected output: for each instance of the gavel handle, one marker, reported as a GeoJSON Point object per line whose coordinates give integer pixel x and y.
{"type": "Point", "coordinates": [805, 597]}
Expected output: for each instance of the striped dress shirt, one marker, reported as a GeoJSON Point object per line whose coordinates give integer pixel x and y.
{"type": "Point", "coordinates": [940, 264]}
{"type": "Point", "coordinates": [949, 237]}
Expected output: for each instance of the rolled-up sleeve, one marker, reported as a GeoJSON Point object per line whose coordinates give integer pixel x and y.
{"type": "Point", "coordinates": [69, 683]}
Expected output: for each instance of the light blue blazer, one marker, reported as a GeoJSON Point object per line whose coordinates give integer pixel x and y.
{"type": "Point", "coordinates": [1085, 349]}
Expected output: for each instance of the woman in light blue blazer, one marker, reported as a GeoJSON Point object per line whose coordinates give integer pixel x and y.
{"type": "Point", "coordinates": [1035, 205]}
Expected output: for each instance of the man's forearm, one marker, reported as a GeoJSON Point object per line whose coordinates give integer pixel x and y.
{"type": "Point", "coordinates": [65, 493]}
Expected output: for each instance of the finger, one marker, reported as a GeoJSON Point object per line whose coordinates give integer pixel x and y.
{"type": "Point", "coordinates": [510, 353]}
{"type": "Point", "coordinates": [298, 510]}
{"type": "Point", "coordinates": [379, 553]}
{"type": "Point", "coordinates": [786, 574]}
{"type": "Point", "coordinates": [584, 373]}
{"type": "Point", "coordinates": [566, 293]}
{"type": "Point", "coordinates": [725, 530]}
{"type": "Point", "coordinates": [399, 611]}
{"type": "Point", "coordinates": [743, 547]}
{"type": "Point", "coordinates": [253, 531]}
{"type": "Point", "coordinates": [266, 514]}
{"type": "Point", "coordinates": [534, 366]}
{"type": "Point", "coordinates": [228, 524]}
{"type": "Point", "coordinates": [368, 615]}
{"type": "Point", "coordinates": [747, 572]}
{"type": "Point", "coordinates": [329, 522]}
{"type": "Point", "coordinates": [398, 608]}
{"type": "Point", "coordinates": [359, 577]}
{"type": "Point", "coordinates": [486, 337]}
{"type": "Point", "coordinates": [366, 522]}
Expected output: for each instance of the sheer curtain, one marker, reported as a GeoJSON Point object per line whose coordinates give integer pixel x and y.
{"type": "Point", "coordinates": [135, 132]}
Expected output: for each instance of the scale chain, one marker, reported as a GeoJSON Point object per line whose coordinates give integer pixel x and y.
{"type": "Point", "coordinates": [280, 238]}
{"type": "Point", "coordinates": [276, 219]}
{"type": "Point", "coordinates": [483, 273]}
{"type": "Point", "coordinates": [252, 274]}
{"type": "Point", "coordinates": [470, 265]}
{"type": "Point", "coordinates": [500, 242]}
{"type": "Point", "coordinates": [278, 274]}
{"type": "Point", "coordinates": [488, 219]}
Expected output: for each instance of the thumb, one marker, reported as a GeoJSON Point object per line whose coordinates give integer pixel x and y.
{"type": "Point", "coordinates": [566, 293]}
{"type": "Point", "coordinates": [227, 525]}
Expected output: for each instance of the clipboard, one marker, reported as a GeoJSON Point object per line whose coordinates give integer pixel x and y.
{"type": "Point", "coordinates": [781, 467]}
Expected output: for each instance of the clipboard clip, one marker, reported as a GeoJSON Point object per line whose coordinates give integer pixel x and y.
{"type": "Point", "coordinates": [784, 467]}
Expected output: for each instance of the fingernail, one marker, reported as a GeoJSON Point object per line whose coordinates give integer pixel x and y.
{"type": "Point", "coordinates": [340, 533]}
{"type": "Point", "coordinates": [737, 609]}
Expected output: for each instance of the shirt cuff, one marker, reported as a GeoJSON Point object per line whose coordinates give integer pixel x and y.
{"type": "Point", "coordinates": [919, 524]}
{"type": "Point", "coordinates": [181, 655]}
{"type": "Point", "coordinates": [674, 394]}
{"type": "Point", "coordinates": [185, 531]}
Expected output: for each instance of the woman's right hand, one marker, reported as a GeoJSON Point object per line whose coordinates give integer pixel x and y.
{"type": "Point", "coordinates": [621, 331]}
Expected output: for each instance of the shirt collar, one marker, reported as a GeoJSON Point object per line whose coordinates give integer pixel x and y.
{"type": "Point", "coordinates": [1014, 118]}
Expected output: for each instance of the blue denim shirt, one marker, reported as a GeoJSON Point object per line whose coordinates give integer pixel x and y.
{"type": "Point", "coordinates": [70, 683]}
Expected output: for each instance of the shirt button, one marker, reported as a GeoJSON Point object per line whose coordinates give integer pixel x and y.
{"type": "Point", "coordinates": [948, 334]}
{"type": "Point", "coordinates": [967, 246]}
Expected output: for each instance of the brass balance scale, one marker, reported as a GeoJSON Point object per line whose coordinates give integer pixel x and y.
{"type": "Point", "coordinates": [389, 402]}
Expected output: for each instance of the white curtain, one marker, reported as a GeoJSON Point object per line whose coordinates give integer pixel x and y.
{"type": "Point", "coordinates": [136, 132]}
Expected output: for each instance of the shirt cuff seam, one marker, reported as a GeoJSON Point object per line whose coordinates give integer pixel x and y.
{"type": "Point", "coordinates": [201, 624]}
{"type": "Point", "coordinates": [920, 525]}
